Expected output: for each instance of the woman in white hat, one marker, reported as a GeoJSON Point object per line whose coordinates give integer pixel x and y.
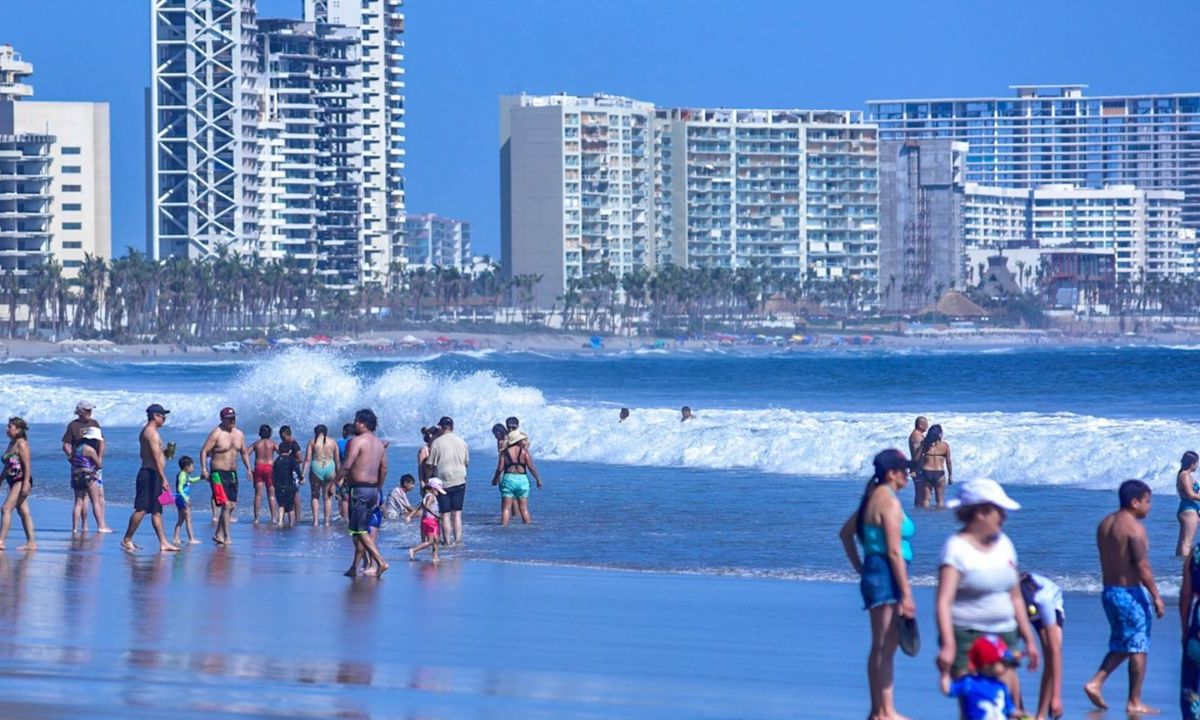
{"type": "Point", "coordinates": [978, 591]}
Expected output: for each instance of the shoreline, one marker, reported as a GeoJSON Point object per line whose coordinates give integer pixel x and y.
{"type": "Point", "coordinates": [568, 345]}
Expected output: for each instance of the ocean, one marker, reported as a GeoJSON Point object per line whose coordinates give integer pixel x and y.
{"type": "Point", "coordinates": [757, 485]}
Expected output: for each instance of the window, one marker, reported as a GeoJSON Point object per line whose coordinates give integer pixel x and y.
{"type": "Point", "coordinates": [70, 151]}
{"type": "Point", "coordinates": [71, 169]}
{"type": "Point", "coordinates": [72, 263]}
{"type": "Point", "coordinates": [72, 245]}
{"type": "Point", "coordinates": [72, 226]}
{"type": "Point", "coordinates": [72, 207]}
{"type": "Point", "coordinates": [72, 188]}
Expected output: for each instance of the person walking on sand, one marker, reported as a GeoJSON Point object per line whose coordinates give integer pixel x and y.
{"type": "Point", "coordinates": [513, 468]}
{"type": "Point", "coordinates": [263, 450]}
{"type": "Point", "coordinates": [429, 519]}
{"type": "Point", "coordinates": [1188, 514]}
{"type": "Point", "coordinates": [18, 472]}
{"type": "Point", "coordinates": [884, 530]}
{"type": "Point", "coordinates": [1130, 595]}
{"type": "Point", "coordinates": [71, 439]}
{"type": "Point", "coordinates": [450, 457]}
{"type": "Point", "coordinates": [978, 588]}
{"type": "Point", "coordinates": [937, 469]}
{"type": "Point", "coordinates": [364, 473]}
{"type": "Point", "coordinates": [321, 458]}
{"type": "Point", "coordinates": [151, 482]}
{"type": "Point", "coordinates": [183, 500]}
{"type": "Point", "coordinates": [218, 464]}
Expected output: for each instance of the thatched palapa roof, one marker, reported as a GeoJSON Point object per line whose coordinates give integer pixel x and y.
{"type": "Point", "coordinates": [952, 303]}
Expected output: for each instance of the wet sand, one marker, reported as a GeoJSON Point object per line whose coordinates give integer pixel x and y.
{"type": "Point", "coordinates": [269, 628]}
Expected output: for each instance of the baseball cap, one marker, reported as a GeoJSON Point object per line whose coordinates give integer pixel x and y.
{"type": "Point", "coordinates": [986, 650]}
{"type": "Point", "coordinates": [446, 422]}
{"type": "Point", "coordinates": [228, 412]}
{"type": "Point", "coordinates": [983, 491]}
{"type": "Point", "coordinates": [84, 405]}
{"type": "Point", "coordinates": [157, 409]}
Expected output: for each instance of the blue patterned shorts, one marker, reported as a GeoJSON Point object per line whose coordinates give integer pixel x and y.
{"type": "Point", "coordinates": [1129, 616]}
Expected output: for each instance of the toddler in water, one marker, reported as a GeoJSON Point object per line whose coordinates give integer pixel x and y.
{"type": "Point", "coordinates": [983, 695]}
{"type": "Point", "coordinates": [183, 500]}
{"type": "Point", "coordinates": [429, 519]}
{"type": "Point", "coordinates": [397, 506]}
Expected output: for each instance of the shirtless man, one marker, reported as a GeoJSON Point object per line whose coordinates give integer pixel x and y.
{"type": "Point", "coordinates": [364, 470]}
{"type": "Point", "coordinates": [685, 414]}
{"type": "Point", "coordinates": [917, 436]}
{"type": "Point", "coordinates": [151, 482]}
{"type": "Point", "coordinates": [264, 456]}
{"type": "Point", "coordinates": [1129, 593]}
{"type": "Point", "coordinates": [223, 447]}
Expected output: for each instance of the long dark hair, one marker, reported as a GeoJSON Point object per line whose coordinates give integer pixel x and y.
{"type": "Point", "coordinates": [21, 426]}
{"type": "Point", "coordinates": [320, 431]}
{"type": "Point", "coordinates": [932, 437]}
{"type": "Point", "coordinates": [1190, 458]}
{"type": "Point", "coordinates": [885, 462]}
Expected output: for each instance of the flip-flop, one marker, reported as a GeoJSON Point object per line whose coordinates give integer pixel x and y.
{"type": "Point", "coordinates": [910, 637]}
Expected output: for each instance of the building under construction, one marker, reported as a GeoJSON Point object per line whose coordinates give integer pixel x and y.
{"type": "Point", "coordinates": [920, 244]}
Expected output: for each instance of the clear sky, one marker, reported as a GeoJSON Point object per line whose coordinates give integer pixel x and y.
{"type": "Point", "coordinates": [463, 54]}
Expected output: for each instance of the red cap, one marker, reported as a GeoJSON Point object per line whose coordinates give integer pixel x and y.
{"type": "Point", "coordinates": [987, 650]}
{"type": "Point", "coordinates": [228, 412]}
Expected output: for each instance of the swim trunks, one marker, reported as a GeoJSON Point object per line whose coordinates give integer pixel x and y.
{"type": "Point", "coordinates": [363, 501]}
{"type": "Point", "coordinates": [228, 480]}
{"type": "Point", "coordinates": [321, 471]}
{"type": "Point", "coordinates": [262, 474]}
{"type": "Point", "coordinates": [181, 502]}
{"type": "Point", "coordinates": [429, 527]}
{"type": "Point", "coordinates": [148, 488]}
{"type": "Point", "coordinates": [514, 485]}
{"type": "Point", "coordinates": [452, 501]}
{"type": "Point", "coordinates": [1129, 617]}
{"type": "Point", "coordinates": [376, 520]}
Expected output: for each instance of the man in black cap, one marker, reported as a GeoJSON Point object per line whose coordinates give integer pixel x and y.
{"type": "Point", "coordinates": [223, 447]}
{"type": "Point", "coordinates": [151, 482]}
{"type": "Point", "coordinates": [450, 457]}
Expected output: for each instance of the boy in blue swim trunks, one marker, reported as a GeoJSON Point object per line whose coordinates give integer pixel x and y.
{"type": "Point", "coordinates": [183, 498]}
{"type": "Point", "coordinates": [1129, 596]}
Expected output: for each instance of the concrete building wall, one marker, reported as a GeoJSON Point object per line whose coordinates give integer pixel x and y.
{"type": "Point", "coordinates": [532, 241]}
{"type": "Point", "coordinates": [80, 183]}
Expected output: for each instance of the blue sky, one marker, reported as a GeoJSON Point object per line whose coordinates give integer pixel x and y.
{"type": "Point", "coordinates": [462, 55]}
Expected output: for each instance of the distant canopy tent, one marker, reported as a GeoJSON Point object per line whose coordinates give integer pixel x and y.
{"type": "Point", "coordinates": [956, 305]}
{"type": "Point", "coordinates": [596, 341]}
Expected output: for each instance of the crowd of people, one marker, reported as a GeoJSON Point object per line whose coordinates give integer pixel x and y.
{"type": "Point", "coordinates": [348, 474]}
{"type": "Point", "coordinates": [989, 612]}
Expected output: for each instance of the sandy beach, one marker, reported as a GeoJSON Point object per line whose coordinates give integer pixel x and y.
{"type": "Point", "coordinates": [268, 628]}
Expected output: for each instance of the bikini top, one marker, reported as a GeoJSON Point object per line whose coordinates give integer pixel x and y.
{"type": "Point", "coordinates": [510, 463]}
{"type": "Point", "coordinates": [874, 539]}
{"type": "Point", "coordinates": [13, 467]}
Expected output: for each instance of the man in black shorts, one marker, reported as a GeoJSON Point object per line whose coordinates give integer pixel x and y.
{"type": "Point", "coordinates": [364, 471]}
{"type": "Point", "coordinates": [450, 457]}
{"type": "Point", "coordinates": [151, 482]}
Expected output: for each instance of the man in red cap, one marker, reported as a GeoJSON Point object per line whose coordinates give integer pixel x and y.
{"type": "Point", "coordinates": [218, 465]}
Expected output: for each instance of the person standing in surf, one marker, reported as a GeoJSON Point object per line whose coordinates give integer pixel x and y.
{"type": "Point", "coordinates": [94, 492]}
{"type": "Point", "coordinates": [937, 469]}
{"type": "Point", "coordinates": [1130, 595]}
{"type": "Point", "coordinates": [287, 476]}
{"type": "Point", "coordinates": [151, 482]}
{"type": "Point", "coordinates": [1188, 514]}
{"type": "Point", "coordinates": [450, 457]}
{"type": "Point", "coordinates": [218, 464]}
{"type": "Point", "coordinates": [513, 468]}
{"type": "Point", "coordinates": [321, 459]}
{"type": "Point", "coordinates": [263, 450]}
{"type": "Point", "coordinates": [364, 473]}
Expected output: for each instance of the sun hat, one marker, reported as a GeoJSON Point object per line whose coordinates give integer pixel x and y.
{"type": "Point", "coordinates": [986, 650]}
{"type": "Point", "coordinates": [982, 491]}
{"type": "Point", "coordinates": [92, 433]}
{"type": "Point", "coordinates": [84, 405]}
{"type": "Point", "coordinates": [516, 436]}
{"type": "Point", "coordinates": [436, 485]}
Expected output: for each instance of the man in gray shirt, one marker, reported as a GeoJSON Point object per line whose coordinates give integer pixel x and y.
{"type": "Point", "coordinates": [450, 456]}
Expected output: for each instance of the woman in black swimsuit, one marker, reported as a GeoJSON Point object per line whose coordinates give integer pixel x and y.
{"type": "Point", "coordinates": [18, 472]}
{"type": "Point", "coordinates": [937, 471]}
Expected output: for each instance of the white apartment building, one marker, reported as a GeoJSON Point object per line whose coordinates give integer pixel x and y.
{"type": "Point", "coordinates": [994, 219]}
{"type": "Point", "coordinates": [436, 241]}
{"type": "Point", "coordinates": [211, 89]}
{"type": "Point", "coordinates": [576, 190]}
{"type": "Point", "coordinates": [608, 181]}
{"type": "Point", "coordinates": [55, 192]}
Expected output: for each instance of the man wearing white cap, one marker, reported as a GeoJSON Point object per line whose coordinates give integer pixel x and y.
{"type": "Point", "coordinates": [71, 439]}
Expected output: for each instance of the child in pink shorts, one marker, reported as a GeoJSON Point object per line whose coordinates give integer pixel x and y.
{"type": "Point", "coordinates": [429, 519]}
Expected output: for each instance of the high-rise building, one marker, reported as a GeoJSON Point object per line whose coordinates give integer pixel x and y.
{"type": "Point", "coordinates": [313, 109]}
{"type": "Point", "coordinates": [380, 24]}
{"type": "Point", "coordinates": [436, 241]}
{"type": "Point", "coordinates": [54, 176]}
{"type": "Point", "coordinates": [576, 188]}
{"type": "Point", "coordinates": [608, 182]}
{"type": "Point", "coordinates": [1056, 134]}
{"type": "Point", "coordinates": [921, 225]}
{"type": "Point", "coordinates": [204, 108]}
